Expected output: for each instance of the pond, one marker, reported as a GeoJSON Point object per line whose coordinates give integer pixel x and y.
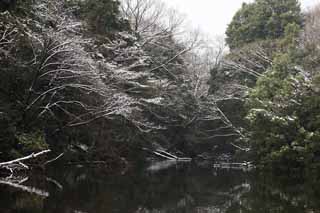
{"type": "Point", "coordinates": [159, 188]}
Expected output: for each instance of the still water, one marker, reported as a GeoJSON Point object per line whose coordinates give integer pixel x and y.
{"type": "Point", "coordinates": [158, 189]}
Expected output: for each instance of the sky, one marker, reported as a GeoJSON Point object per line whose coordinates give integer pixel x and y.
{"type": "Point", "coordinates": [213, 16]}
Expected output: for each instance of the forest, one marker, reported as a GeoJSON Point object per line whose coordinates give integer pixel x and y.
{"type": "Point", "coordinates": [114, 82]}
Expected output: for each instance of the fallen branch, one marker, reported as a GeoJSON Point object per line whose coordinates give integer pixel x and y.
{"type": "Point", "coordinates": [53, 160]}
{"type": "Point", "coordinates": [245, 166]}
{"type": "Point", "coordinates": [240, 148]}
{"type": "Point", "coordinates": [163, 156]}
{"type": "Point", "coordinates": [167, 153]}
{"type": "Point", "coordinates": [56, 183]}
{"type": "Point", "coordinates": [31, 190]}
{"type": "Point", "coordinates": [17, 163]}
{"type": "Point", "coordinates": [24, 158]}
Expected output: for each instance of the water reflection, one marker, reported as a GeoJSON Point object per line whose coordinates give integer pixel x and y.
{"type": "Point", "coordinates": [182, 188]}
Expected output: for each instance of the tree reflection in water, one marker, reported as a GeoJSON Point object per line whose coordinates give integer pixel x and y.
{"type": "Point", "coordinates": [179, 189]}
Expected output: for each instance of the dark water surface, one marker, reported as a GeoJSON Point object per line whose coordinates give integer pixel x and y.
{"type": "Point", "coordinates": [180, 188]}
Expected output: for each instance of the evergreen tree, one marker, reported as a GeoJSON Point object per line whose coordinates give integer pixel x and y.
{"type": "Point", "coordinates": [103, 16]}
{"type": "Point", "coordinates": [262, 19]}
{"type": "Point", "coordinates": [284, 110]}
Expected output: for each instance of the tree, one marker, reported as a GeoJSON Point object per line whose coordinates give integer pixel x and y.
{"type": "Point", "coordinates": [49, 84]}
{"type": "Point", "coordinates": [283, 117]}
{"type": "Point", "coordinates": [152, 19]}
{"type": "Point", "coordinates": [262, 19]}
{"type": "Point", "coordinates": [311, 34]}
{"type": "Point", "coordinates": [103, 16]}
{"type": "Point", "coordinates": [282, 108]}
{"type": "Point", "coordinates": [310, 39]}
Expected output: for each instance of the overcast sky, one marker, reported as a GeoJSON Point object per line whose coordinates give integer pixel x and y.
{"type": "Point", "coordinates": [213, 16]}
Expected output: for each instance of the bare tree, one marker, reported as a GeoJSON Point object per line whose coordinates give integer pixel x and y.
{"type": "Point", "coordinates": [152, 19]}
{"type": "Point", "coordinates": [311, 33]}
{"type": "Point", "coordinates": [201, 60]}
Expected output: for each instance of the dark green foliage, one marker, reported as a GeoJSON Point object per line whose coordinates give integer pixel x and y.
{"type": "Point", "coordinates": [272, 116]}
{"type": "Point", "coordinates": [270, 56]}
{"type": "Point", "coordinates": [31, 142]}
{"type": "Point", "coordinates": [103, 16]}
{"type": "Point", "coordinates": [262, 19]}
{"type": "Point", "coordinates": [284, 118]}
{"type": "Point", "coordinates": [284, 111]}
